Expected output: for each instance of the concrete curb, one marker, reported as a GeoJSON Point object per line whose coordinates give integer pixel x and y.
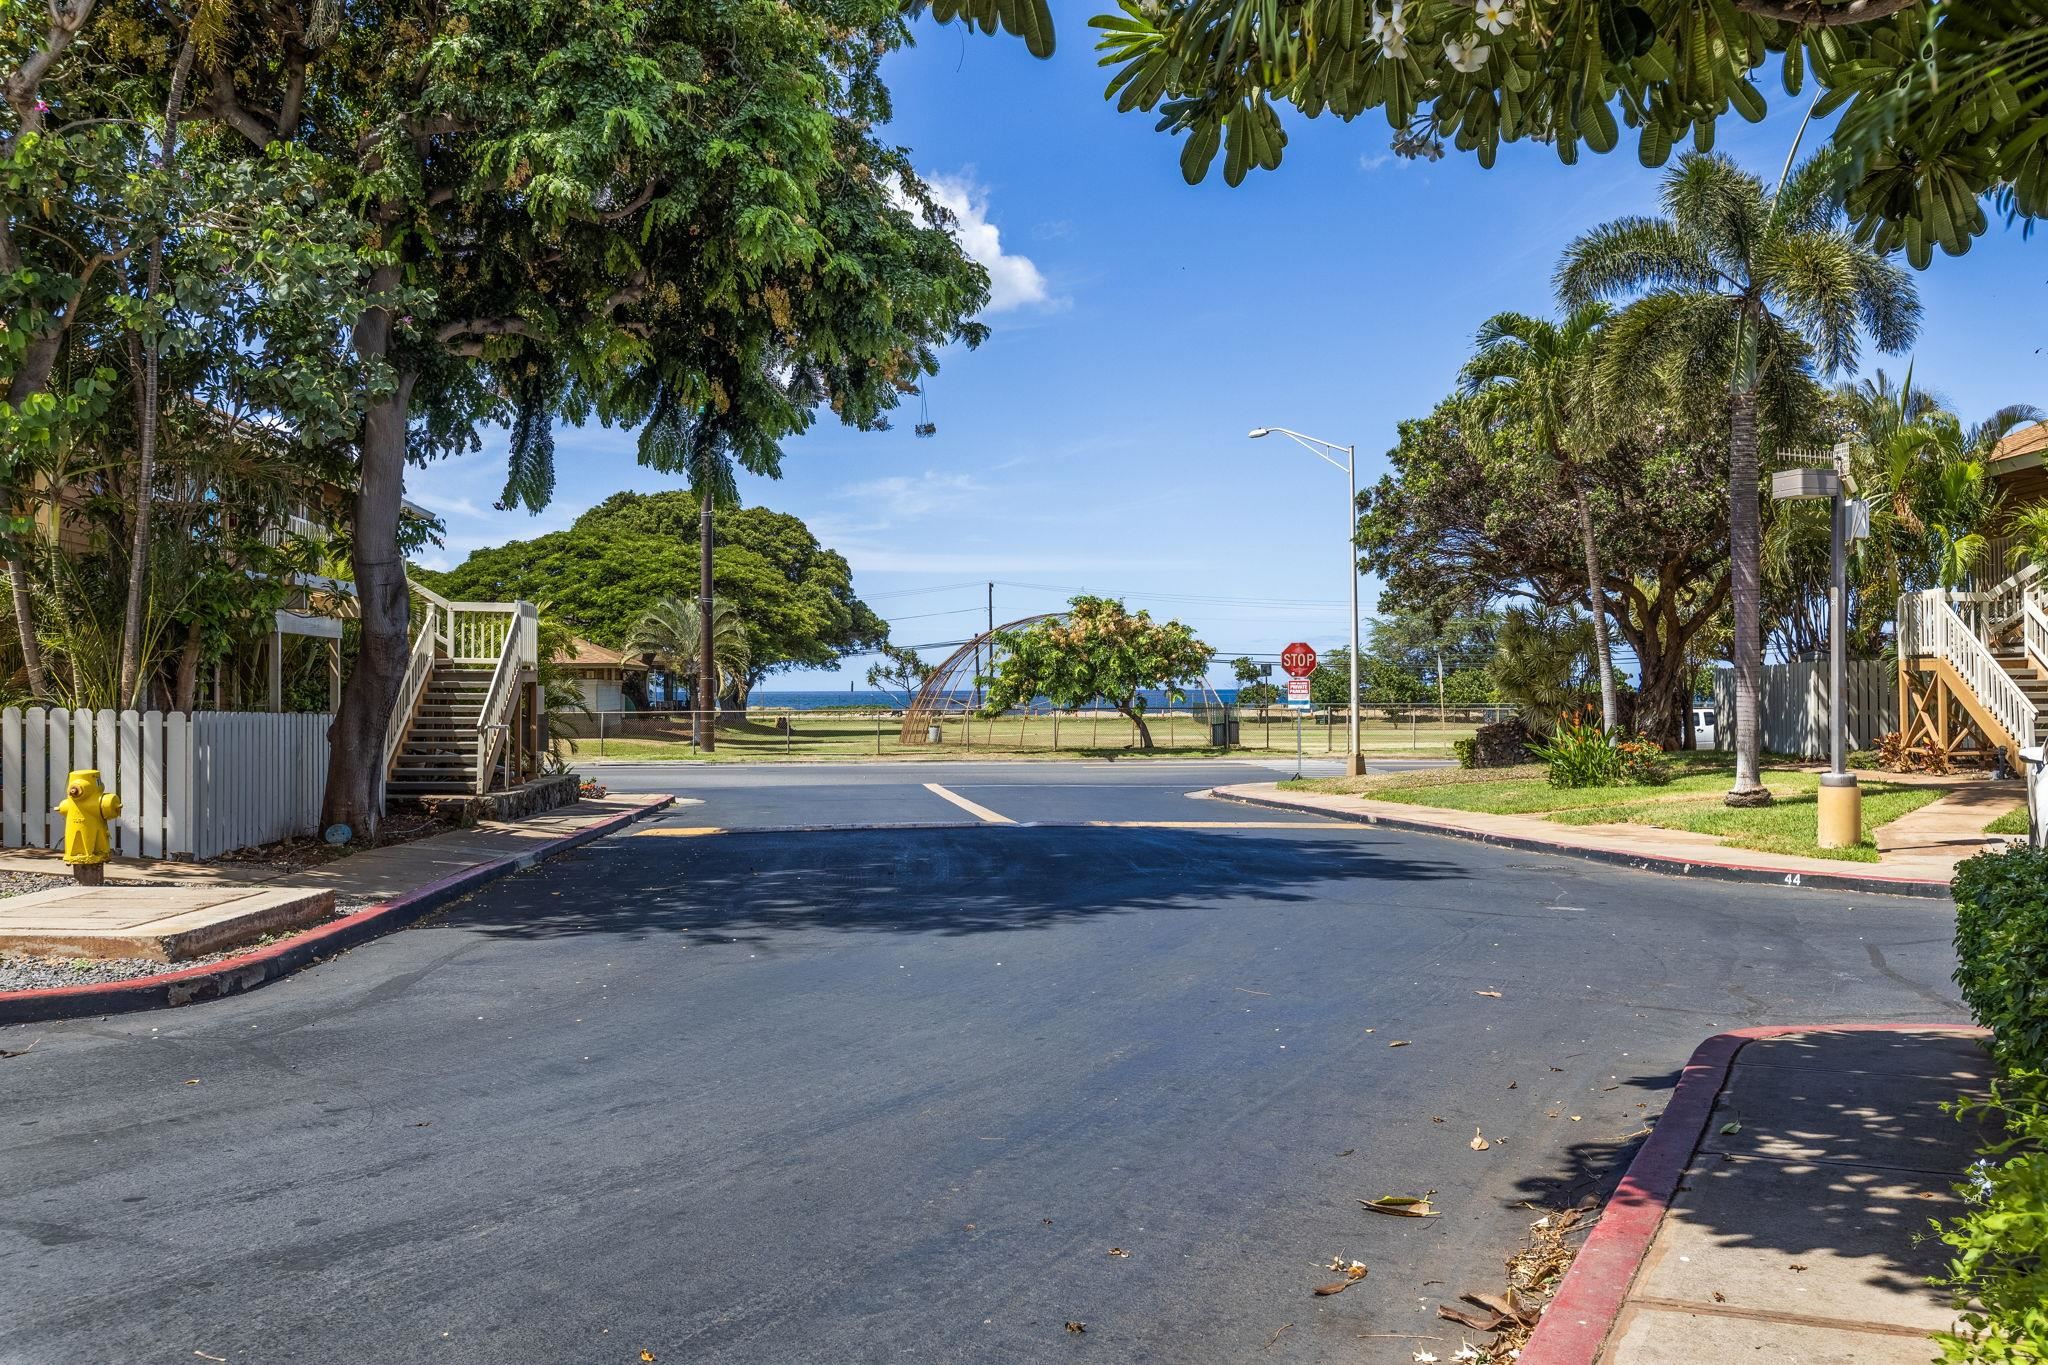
{"type": "Point", "coordinates": [233, 976]}
{"type": "Point", "coordinates": [1920, 887]}
{"type": "Point", "coordinates": [1576, 1324]}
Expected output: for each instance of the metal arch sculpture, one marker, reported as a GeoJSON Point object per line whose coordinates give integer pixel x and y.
{"type": "Point", "coordinates": [939, 695]}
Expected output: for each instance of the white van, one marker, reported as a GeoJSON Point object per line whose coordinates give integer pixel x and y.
{"type": "Point", "coordinates": [1703, 732]}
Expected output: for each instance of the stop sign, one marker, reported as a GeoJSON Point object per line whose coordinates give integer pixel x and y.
{"type": "Point", "coordinates": [1298, 660]}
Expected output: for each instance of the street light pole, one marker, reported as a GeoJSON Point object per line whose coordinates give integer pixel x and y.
{"type": "Point", "coordinates": [1840, 807]}
{"type": "Point", "coordinates": [1354, 762]}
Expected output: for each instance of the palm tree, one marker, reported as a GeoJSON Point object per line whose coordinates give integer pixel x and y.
{"type": "Point", "coordinates": [1544, 373]}
{"type": "Point", "coordinates": [676, 633]}
{"type": "Point", "coordinates": [1739, 288]}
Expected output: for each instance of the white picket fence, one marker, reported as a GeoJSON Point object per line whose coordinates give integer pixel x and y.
{"type": "Point", "coordinates": [190, 786]}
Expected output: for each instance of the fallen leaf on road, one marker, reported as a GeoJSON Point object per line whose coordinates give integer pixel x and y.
{"type": "Point", "coordinates": [193, 1081]}
{"type": "Point", "coordinates": [1352, 1270]}
{"type": "Point", "coordinates": [1479, 1142]}
{"type": "Point", "coordinates": [1118, 1252]}
{"type": "Point", "coordinates": [1513, 1084]}
{"type": "Point", "coordinates": [1731, 1128]}
{"type": "Point", "coordinates": [1347, 1151]}
{"type": "Point", "coordinates": [1487, 1321]}
{"type": "Point", "coordinates": [1719, 1297]}
{"type": "Point", "coordinates": [646, 1355]}
{"type": "Point", "coordinates": [1335, 1287]}
{"type": "Point", "coordinates": [1436, 1118]}
{"type": "Point", "coordinates": [1577, 1117]}
{"type": "Point", "coordinates": [1557, 1068]}
{"type": "Point", "coordinates": [1402, 1205]}
{"type": "Point", "coordinates": [1797, 1267]}
{"type": "Point", "coordinates": [1490, 995]}
{"type": "Point", "coordinates": [1398, 1042]}
{"type": "Point", "coordinates": [1077, 1327]}
{"type": "Point", "coordinates": [204, 1356]}
{"type": "Point", "coordinates": [19, 1052]}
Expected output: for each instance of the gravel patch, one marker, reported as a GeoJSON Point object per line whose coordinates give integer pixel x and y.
{"type": "Point", "coordinates": [30, 972]}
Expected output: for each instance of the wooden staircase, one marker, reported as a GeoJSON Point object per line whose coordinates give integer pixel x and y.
{"type": "Point", "coordinates": [468, 714]}
{"type": "Point", "coordinates": [438, 754]}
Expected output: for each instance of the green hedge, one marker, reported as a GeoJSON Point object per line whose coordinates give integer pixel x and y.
{"type": "Point", "coordinates": [2002, 951]}
{"type": "Point", "coordinates": [1999, 1273]}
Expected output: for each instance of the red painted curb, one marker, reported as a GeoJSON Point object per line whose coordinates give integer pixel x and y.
{"type": "Point", "coordinates": [234, 975]}
{"type": "Point", "coordinates": [1576, 1324]}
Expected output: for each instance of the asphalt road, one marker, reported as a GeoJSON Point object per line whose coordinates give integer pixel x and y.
{"type": "Point", "coordinates": [895, 1095]}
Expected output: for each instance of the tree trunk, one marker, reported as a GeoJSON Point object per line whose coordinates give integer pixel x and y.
{"type": "Point", "coordinates": [1596, 594]}
{"type": "Point", "coordinates": [1137, 718]}
{"type": "Point", "coordinates": [355, 764]}
{"type": "Point", "coordinates": [146, 425]}
{"type": "Point", "coordinates": [1745, 570]}
{"type": "Point", "coordinates": [185, 693]}
{"type": "Point", "coordinates": [25, 630]}
{"type": "Point", "coordinates": [707, 667]}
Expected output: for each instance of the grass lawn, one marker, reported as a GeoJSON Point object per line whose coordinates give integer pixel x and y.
{"type": "Point", "coordinates": [1526, 790]}
{"type": "Point", "coordinates": [1689, 802]}
{"type": "Point", "coordinates": [2013, 821]}
{"type": "Point", "coordinates": [1789, 825]}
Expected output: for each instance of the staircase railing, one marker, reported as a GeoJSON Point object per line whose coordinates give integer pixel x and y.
{"type": "Point", "coordinates": [2036, 633]}
{"type": "Point", "coordinates": [1999, 606]}
{"type": "Point", "coordinates": [1929, 627]}
{"type": "Point", "coordinates": [516, 651]}
{"type": "Point", "coordinates": [467, 632]}
{"type": "Point", "coordinates": [419, 670]}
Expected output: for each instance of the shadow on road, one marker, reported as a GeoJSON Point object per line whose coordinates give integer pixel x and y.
{"type": "Point", "coordinates": [950, 882]}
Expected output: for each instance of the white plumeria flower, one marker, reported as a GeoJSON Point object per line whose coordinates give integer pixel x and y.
{"type": "Point", "coordinates": [1425, 1358]}
{"type": "Point", "coordinates": [1466, 54]}
{"type": "Point", "coordinates": [1495, 15]}
{"type": "Point", "coordinates": [1465, 1352]}
{"type": "Point", "coordinates": [1385, 24]}
{"type": "Point", "coordinates": [1395, 44]}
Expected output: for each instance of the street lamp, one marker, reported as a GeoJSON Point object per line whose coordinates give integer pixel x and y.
{"type": "Point", "coordinates": [1841, 801]}
{"type": "Point", "coordinates": [1354, 763]}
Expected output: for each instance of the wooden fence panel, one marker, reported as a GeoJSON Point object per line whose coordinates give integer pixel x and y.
{"type": "Point", "coordinates": [1793, 706]}
{"type": "Point", "coordinates": [194, 786]}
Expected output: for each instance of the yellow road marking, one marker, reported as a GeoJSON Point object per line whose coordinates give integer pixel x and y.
{"type": "Point", "coordinates": [979, 812]}
{"type": "Point", "coordinates": [677, 831]}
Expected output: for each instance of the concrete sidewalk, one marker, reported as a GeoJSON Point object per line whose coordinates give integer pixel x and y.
{"type": "Point", "coordinates": [1780, 1210]}
{"type": "Point", "coordinates": [376, 891]}
{"type": "Point", "coordinates": [1917, 855]}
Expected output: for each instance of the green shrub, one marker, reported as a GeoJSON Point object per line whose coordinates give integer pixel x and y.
{"type": "Point", "coordinates": [1999, 1274]}
{"type": "Point", "coordinates": [1579, 754]}
{"type": "Point", "coordinates": [1463, 747]}
{"type": "Point", "coordinates": [1642, 762]}
{"type": "Point", "coordinates": [2002, 951]}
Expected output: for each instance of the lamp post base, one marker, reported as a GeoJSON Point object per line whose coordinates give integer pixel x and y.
{"type": "Point", "coordinates": [1841, 811]}
{"type": "Point", "coordinates": [1354, 765]}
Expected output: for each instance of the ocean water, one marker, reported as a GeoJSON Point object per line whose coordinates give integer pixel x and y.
{"type": "Point", "coordinates": [896, 701]}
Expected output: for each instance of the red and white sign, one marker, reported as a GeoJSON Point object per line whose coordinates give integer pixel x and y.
{"type": "Point", "coordinates": [1298, 660]}
{"type": "Point", "coordinates": [1297, 689]}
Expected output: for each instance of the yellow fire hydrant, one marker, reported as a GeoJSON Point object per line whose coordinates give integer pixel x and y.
{"type": "Point", "coordinates": [86, 810]}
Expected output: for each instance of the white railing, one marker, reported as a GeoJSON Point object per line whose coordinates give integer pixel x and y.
{"type": "Point", "coordinates": [465, 632]}
{"type": "Point", "coordinates": [501, 702]}
{"type": "Point", "coordinates": [195, 786]}
{"type": "Point", "coordinates": [1929, 627]}
{"type": "Point", "coordinates": [419, 671]}
{"type": "Point", "coordinates": [1990, 612]}
{"type": "Point", "coordinates": [2036, 632]}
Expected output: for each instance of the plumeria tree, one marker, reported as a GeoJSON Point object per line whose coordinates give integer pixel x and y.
{"type": "Point", "coordinates": [1941, 100]}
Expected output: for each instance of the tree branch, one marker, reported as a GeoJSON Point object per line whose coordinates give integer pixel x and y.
{"type": "Point", "coordinates": [222, 105]}
{"type": "Point", "coordinates": [1814, 14]}
{"type": "Point", "coordinates": [67, 20]}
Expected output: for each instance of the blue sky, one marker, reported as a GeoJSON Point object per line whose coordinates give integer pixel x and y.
{"type": "Point", "coordinates": [1141, 327]}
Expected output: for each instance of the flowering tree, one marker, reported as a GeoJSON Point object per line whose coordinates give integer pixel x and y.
{"type": "Point", "coordinates": [1098, 652]}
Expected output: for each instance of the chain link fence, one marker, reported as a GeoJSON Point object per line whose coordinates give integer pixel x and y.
{"type": "Point", "coordinates": [1424, 731]}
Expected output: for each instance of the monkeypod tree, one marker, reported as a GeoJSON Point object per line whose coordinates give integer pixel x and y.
{"type": "Point", "coordinates": [1097, 652]}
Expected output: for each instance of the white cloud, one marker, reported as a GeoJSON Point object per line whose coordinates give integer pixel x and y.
{"type": "Point", "coordinates": [1014, 280]}
{"type": "Point", "coordinates": [905, 497]}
